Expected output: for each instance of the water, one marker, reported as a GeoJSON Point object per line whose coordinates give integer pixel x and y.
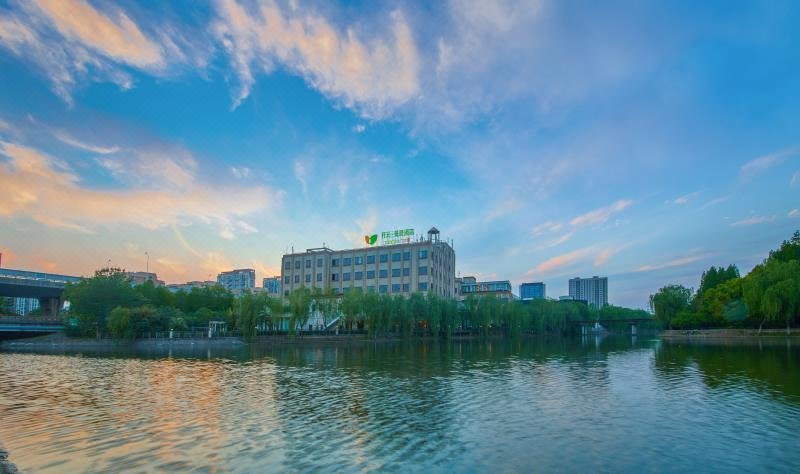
{"type": "Point", "coordinates": [534, 405]}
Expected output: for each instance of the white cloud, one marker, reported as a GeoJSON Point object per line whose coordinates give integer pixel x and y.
{"type": "Point", "coordinates": [372, 75]}
{"type": "Point", "coordinates": [300, 174]}
{"type": "Point", "coordinates": [753, 220]}
{"type": "Point", "coordinates": [560, 261]}
{"type": "Point", "coordinates": [762, 163]}
{"type": "Point", "coordinates": [714, 202]}
{"type": "Point", "coordinates": [794, 213]}
{"type": "Point", "coordinates": [74, 142]}
{"type": "Point", "coordinates": [795, 178]}
{"type": "Point", "coordinates": [240, 172]}
{"type": "Point", "coordinates": [359, 128]}
{"type": "Point", "coordinates": [685, 198]}
{"type": "Point", "coordinates": [71, 41]}
{"type": "Point", "coordinates": [678, 262]}
{"type": "Point", "coordinates": [549, 226]}
{"type": "Point", "coordinates": [558, 241]}
{"type": "Point", "coordinates": [47, 191]}
{"type": "Point", "coordinates": [601, 215]}
{"type": "Point", "coordinates": [153, 169]}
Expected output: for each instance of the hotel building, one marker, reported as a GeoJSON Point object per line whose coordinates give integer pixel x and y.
{"type": "Point", "coordinates": [404, 266]}
{"type": "Point", "coordinates": [592, 290]}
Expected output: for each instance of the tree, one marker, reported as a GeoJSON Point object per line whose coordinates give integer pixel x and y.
{"type": "Point", "coordinates": [120, 323]}
{"type": "Point", "coordinates": [299, 307]}
{"type": "Point", "coordinates": [92, 299]}
{"type": "Point", "coordinates": [772, 292]}
{"type": "Point", "coordinates": [669, 301]}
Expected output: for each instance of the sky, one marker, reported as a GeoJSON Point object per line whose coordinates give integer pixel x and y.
{"type": "Point", "coordinates": [643, 141]}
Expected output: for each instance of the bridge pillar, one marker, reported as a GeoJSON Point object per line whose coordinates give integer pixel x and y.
{"type": "Point", "coordinates": [50, 306]}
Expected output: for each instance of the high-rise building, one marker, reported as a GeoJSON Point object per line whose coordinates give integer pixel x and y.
{"type": "Point", "coordinates": [532, 291]}
{"type": "Point", "coordinates": [592, 290]}
{"type": "Point", "coordinates": [272, 285]}
{"type": "Point", "coordinates": [400, 266]}
{"type": "Point", "coordinates": [238, 281]}
{"type": "Point", "coordinates": [499, 288]}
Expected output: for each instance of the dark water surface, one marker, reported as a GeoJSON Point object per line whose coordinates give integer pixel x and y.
{"type": "Point", "coordinates": [533, 405]}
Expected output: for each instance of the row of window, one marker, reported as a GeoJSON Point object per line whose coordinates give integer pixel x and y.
{"type": "Point", "coordinates": [396, 288]}
{"type": "Point", "coordinates": [358, 260]}
{"type": "Point", "coordinates": [345, 276]}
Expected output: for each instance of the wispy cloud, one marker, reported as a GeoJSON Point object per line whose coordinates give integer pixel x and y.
{"type": "Point", "coordinates": [677, 262]}
{"type": "Point", "coordinates": [359, 128]}
{"type": "Point", "coordinates": [685, 198]}
{"type": "Point", "coordinates": [240, 172]}
{"type": "Point", "coordinates": [64, 203]}
{"type": "Point", "coordinates": [753, 220]}
{"type": "Point", "coordinates": [556, 242]}
{"type": "Point", "coordinates": [548, 226]}
{"type": "Point", "coordinates": [714, 202]}
{"type": "Point", "coordinates": [74, 142]}
{"type": "Point", "coordinates": [372, 75]}
{"type": "Point", "coordinates": [601, 215]}
{"type": "Point", "coordinates": [762, 163]}
{"type": "Point", "coordinates": [795, 178]}
{"type": "Point", "coordinates": [560, 261]}
{"type": "Point", "coordinates": [300, 174]}
{"type": "Point", "coordinates": [794, 213]}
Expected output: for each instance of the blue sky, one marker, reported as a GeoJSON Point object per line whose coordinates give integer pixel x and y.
{"type": "Point", "coordinates": [644, 141]}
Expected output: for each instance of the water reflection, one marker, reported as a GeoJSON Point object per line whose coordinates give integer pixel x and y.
{"type": "Point", "coordinates": [596, 403]}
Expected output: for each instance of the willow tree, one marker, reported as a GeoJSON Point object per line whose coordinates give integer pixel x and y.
{"type": "Point", "coordinates": [299, 308]}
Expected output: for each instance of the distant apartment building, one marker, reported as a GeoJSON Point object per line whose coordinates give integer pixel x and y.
{"type": "Point", "coordinates": [532, 291]}
{"type": "Point", "coordinates": [401, 264]}
{"type": "Point", "coordinates": [238, 281]}
{"type": "Point", "coordinates": [139, 278]}
{"type": "Point", "coordinates": [500, 288]}
{"type": "Point", "coordinates": [272, 286]}
{"type": "Point", "coordinates": [189, 285]}
{"type": "Point", "coordinates": [592, 290]}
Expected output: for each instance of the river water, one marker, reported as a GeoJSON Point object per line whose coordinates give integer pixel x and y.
{"type": "Point", "coordinates": [587, 405]}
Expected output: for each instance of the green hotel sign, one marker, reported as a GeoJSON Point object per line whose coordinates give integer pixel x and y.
{"type": "Point", "coordinates": [392, 237]}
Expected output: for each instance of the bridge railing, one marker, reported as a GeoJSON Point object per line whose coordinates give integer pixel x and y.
{"type": "Point", "coordinates": [38, 276]}
{"type": "Point", "coordinates": [29, 320]}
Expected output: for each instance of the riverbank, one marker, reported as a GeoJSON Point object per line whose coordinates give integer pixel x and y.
{"type": "Point", "coordinates": [728, 333]}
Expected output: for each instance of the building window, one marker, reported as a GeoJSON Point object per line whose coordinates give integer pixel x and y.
{"type": "Point", "coordinates": [370, 258]}
{"type": "Point", "coordinates": [347, 261]}
{"type": "Point", "coordinates": [383, 273]}
{"type": "Point", "coordinates": [406, 272]}
{"type": "Point", "coordinates": [371, 288]}
{"type": "Point", "coordinates": [308, 278]}
{"type": "Point", "coordinates": [334, 262]}
{"type": "Point", "coordinates": [287, 279]}
{"type": "Point", "coordinates": [383, 288]}
{"type": "Point", "coordinates": [370, 274]}
{"type": "Point", "coordinates": [358, 276]}
{"type": "Point", "coordinates": [334, 277]}
{"type": "Point", "coordinates": [423, 286]}
{"type": "Point", "coordinates": [384, 257]}
{"type": "Point", "coordinates": [308, 263]}
{"type": "Point", "coordinates": [395, 272]}
{"type": "Point", "coordinates": [407, 255]}
{"type": "Point", "coordinates": [319, 276]}
{"type": "Point", "coordinates": [396, 257]}
{"type": "Point", "coordinates": [287, 265]}
{"type": "Point", "coordinates": [346, 276]}
{"type": "Point", "coordinates": [319, 262]}
{"type": "Point", "coordinates": [297, 265]}
{"type": "Point", "coordinates": [359, 260]}
{"type": "Point", "coordinates": [423, 254]}
{"type": "Point", "coordinates": [405, 287]}
{"type": "Point", "coordinates": [396, 288]}
{"type": "Point", "coordinates": [423, 270]}
{"type": "Point", "coordinates": [297, 278]}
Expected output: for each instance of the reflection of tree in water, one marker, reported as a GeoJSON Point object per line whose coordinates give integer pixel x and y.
{"type": "Point", "coordinates": [774, 365]}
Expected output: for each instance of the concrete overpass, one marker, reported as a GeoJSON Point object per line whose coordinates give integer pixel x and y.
{"type": "Point", "coordinates": [12, 327]}
{"type": "Point", "coordinates": [48, 288]}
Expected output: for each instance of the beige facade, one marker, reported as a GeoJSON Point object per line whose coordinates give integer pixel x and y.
{"type": "Point", "coordinates": [426, 266]}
